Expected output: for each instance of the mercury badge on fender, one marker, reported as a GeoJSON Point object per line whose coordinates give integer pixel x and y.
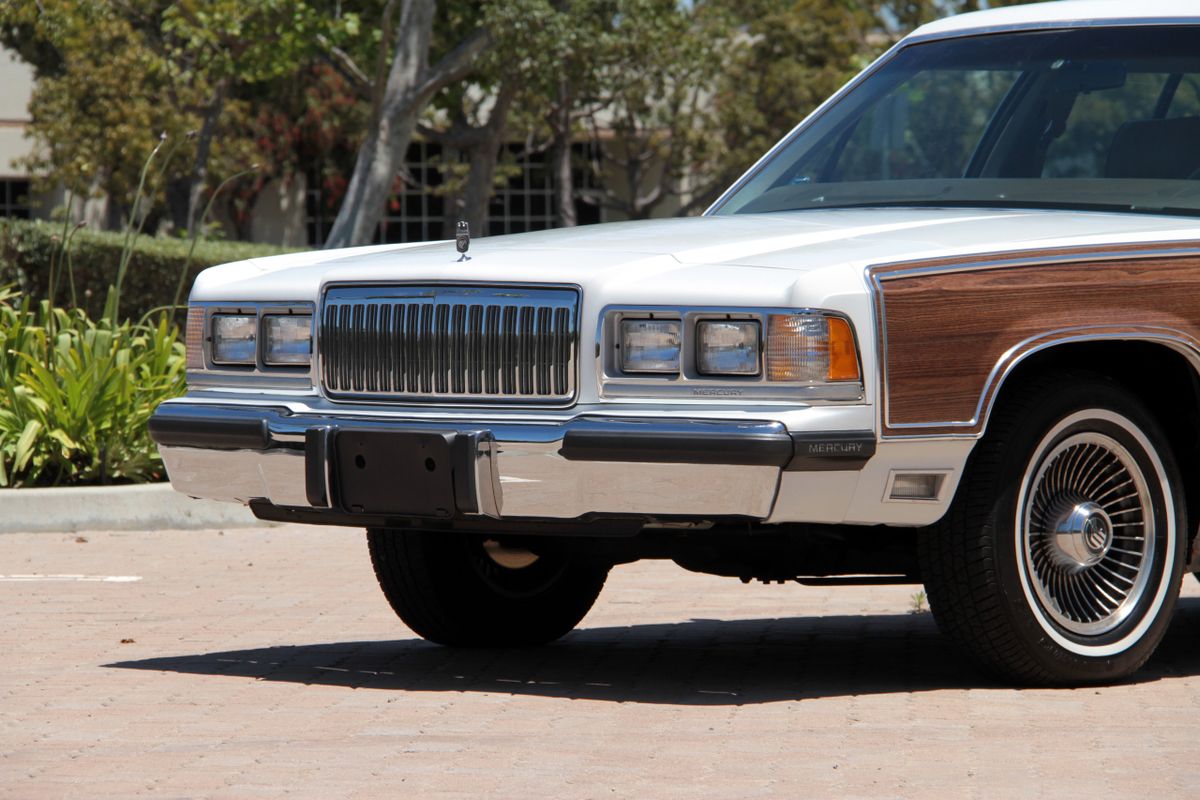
{"type": "Point", "coordinates": [946, 331]}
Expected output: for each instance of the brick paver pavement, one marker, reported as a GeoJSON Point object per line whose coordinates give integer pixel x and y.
{"type": "Point", "coordinates": [266, 663]}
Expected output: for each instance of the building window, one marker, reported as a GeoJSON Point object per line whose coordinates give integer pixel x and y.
{"type": "Point", "coordinates": [527, 202]}
{"type": "Point", "coordinates": [318, 218]}
{"type": "Point", "coordinates": [14, 199]}
{"type": "Point", "coordinates": [417, 211]}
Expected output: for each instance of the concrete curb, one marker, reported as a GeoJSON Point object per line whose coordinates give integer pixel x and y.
{"type": "Point", "coordinates": [153, 506]}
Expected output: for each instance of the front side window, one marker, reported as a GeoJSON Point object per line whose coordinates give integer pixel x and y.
{"type": "Point", "coordinates": [1100, 118]}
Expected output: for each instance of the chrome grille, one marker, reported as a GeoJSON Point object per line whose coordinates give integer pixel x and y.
{"type": "Point", "coordinates": [448, 342]}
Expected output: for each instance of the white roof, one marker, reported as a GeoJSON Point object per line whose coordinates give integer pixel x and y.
{"type": "Point", "coordinates": [1065, 13]}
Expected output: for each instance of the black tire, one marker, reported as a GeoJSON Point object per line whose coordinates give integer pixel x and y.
{"type": "Point", "coordinates": [446, 587]}
{"type": "Point", "coordinates": [1020, 572]}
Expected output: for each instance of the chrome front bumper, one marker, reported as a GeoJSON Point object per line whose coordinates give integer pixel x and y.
{"type": "Point", "coordinates": [557, 470]}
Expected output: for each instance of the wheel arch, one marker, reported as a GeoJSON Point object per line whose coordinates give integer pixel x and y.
{"type": "Point", "coordinates": [1163, 373]}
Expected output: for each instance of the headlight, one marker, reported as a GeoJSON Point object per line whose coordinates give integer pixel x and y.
{"type": "Point", "coordinates": [810, 348]}
{"type": "Point", "coordinates": [288, 339]}
{"type": "Point", "coordinates": [233, 339]}
{"type": "Point", "coordinates": [649, 345]}
{"type": "Point", "coordinates": [727, 347]}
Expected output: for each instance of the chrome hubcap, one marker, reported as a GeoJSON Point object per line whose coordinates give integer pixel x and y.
{"type": "Point", "coordinates": [1081, 536]}
{"type": "Point", "coordinates": [1088, 531]}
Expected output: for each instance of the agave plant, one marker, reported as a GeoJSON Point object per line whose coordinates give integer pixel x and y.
{"type": "Point", "coordinates": [77, 394]}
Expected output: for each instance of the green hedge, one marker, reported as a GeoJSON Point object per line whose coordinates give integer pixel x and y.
{"type": "Point", "coordinates": [26, 249]}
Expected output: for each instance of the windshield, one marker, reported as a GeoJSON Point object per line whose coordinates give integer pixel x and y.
{"type": "Point", "coordinates": [1099, 118]}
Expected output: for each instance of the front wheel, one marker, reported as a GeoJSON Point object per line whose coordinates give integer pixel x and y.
{"type": "Point", "coordinates": [471, 591]}
{"type": "Point", "coordinates": [1061, 559]}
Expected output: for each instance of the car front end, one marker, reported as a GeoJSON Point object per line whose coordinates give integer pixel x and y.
{"type": "Point", "coordinates": [399, 383]}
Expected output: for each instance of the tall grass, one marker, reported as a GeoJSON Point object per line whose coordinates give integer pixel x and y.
{"type": "Point", "coordinates": [76, 393]}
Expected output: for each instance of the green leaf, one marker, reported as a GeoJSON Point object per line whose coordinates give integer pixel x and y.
{"type": "Point", "coordinates": [24, 449]}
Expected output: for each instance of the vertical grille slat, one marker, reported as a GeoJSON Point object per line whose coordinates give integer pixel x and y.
{"type": "Point", "coordinates": [344, 349]}
{"type": "Point", "coordinates": [391, 358]}
{"type": "Point", "coordinates": [508, 349]}
{"type": "Point", "coordinates": [436, 343]}
{"type": "Point", "coordinates": [371, 351]}
{"type": "Point", "coordinates": [329, 333]}
{"type": "Point", "coordinates": [491, 350]}
{"type": "Point", "coordinates": [412, 360]}
{"type": "Point", "coordinates": [544, 355]}
{"type": "Point", "coordinates": [525, 345]}
{"type": "Point", "coordinates": [426, 349]}
{"type": "Point", "coordinates": [441, 347]}
{"type": "Point", "coordinates": [458, 349]}
{"type": "Point", "coordinates": [475, 350]}
{"type": "Point", "coordinates": [562, 334]}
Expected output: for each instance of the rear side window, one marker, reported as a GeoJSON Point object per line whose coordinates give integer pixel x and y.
{"type": "Point", "coordinates": [1083, 148]}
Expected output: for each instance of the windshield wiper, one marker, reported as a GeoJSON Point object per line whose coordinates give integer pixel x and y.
{"type": "Point", "coordinates": [1046, 205]}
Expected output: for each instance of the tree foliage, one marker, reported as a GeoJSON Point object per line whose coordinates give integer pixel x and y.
{"type": "Point", "coordinates": [673, 99]}
{"type": "Point", "coordinates": [113, 77]}
{"type": "Point", "coordinates": [791, 56]}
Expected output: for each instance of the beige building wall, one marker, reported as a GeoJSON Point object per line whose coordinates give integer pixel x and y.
{"type": "Point", "coordinates": [16, 87]}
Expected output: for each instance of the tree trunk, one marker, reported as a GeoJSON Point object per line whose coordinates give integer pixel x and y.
{"type": "Point", "coordinates": [484, 156]}
{"type": "Point", "coordinates": [371, 183]}
{"type": "Point", "coordinates": [453, 203]}
{"type": "Point", "coordinates": [204, 141]}
{"type": "Point", "coordinates": [411, 84]}
{"type": "Point", "coordinates": [560, 158]}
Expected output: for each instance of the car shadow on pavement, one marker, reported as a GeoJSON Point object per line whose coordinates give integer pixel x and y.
{"type": "Point", "coordinates": [697, 662]}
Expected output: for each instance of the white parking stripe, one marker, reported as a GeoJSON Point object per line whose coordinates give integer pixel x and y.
{"type": "Point", "coordinates": [87, 578]}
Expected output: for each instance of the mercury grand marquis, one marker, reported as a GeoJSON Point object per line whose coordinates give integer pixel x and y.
{"type": "Point", "coordinates": [947, 331]}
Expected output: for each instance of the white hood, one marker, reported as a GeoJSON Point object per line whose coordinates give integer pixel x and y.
{"type": "Point", "coordinates": [788, 258]}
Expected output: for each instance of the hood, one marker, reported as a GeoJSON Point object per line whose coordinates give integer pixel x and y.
{"type": "Point", "coordinates": [753, 257]}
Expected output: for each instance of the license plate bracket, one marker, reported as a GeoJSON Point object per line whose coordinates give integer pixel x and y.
{"type": "Point", "coordinates": [401, 473]}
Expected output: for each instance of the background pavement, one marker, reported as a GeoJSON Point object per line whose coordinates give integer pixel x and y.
{"type": "Point", "coordinates": [266, 663]}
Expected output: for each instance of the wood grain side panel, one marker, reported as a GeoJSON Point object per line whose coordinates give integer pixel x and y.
{"type": "Point", "coordinates": [944, 332]}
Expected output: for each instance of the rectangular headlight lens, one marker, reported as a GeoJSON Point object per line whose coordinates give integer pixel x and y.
{"type": "Point", "coordinates": [288, 339]}
{"type": "Point", "coordinates": [649, 345]}
{"type": "Point", "coordinates": [811, 348]}
{"type": "Point", "coordinates": [233, 338]}
{"type": "Point", "coordinates": [727, 347]}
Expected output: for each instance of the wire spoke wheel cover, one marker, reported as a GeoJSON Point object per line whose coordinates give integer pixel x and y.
{"type": "Point", "coordinates": [1094, 517]}
{"type": "Point", "coordinates": [1087, 534]}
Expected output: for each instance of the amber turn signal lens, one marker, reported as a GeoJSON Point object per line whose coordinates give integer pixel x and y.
{"type": "Point", "coordinates": [843, 356]}
{"type": "Point", "coordinates": [810, 348]}
{"type": "Point", "coordinates": [193, 337]}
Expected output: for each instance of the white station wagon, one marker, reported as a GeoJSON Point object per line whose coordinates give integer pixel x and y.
{"type": "Point", "coordinates": [947, 331]}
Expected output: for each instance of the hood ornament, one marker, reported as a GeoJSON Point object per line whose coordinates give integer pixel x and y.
{"type": "Point", "coordinates": [462, 240]}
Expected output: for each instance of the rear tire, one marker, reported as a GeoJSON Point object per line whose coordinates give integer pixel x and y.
{"type": "Point", "coordinates": [448, 589]}
{"type": "Point", "coordinates": [1061, 558]}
